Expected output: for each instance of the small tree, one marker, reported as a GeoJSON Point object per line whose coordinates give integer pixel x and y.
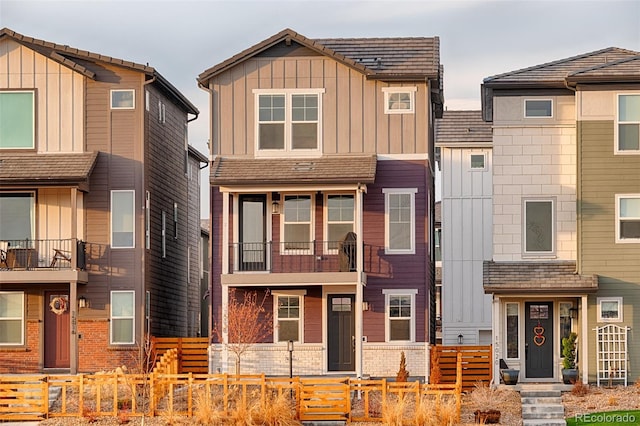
{"type": "Point", "coordinates": [569, 351]}
{"type": "Point", "coordinates": [402, 375]}
{"type": "Point", "coordinates": [247, 322]}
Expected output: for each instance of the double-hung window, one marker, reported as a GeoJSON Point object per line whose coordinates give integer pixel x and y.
{"type": "Point", "coordinates": [289, 315]}
{"type": "Point", "coordinates": [539, 227]}
{"type": "Point", "coordinates": [122, 317]}
{"type": "Point", "coordinates": [288, 120]}
{"type": "Point", "coordinates": [399, 220]}
{"type": "Point", "coordinates": [628, 124]}
{"type": "Point", "coordinates": [17, 119]}
{"type": "Point", "coordinates": [11, 318]}
{"type": "Point", "coordinates": [340, 219]}
{"type": "Point", "coordinates": [297, 224]}
{"type": "Point", "coordinates": [17, 218]}
{"type": "Point", "coordinates": [400, 315]}
{"type": "Point", "coordinates": [122, 219]}
{"type": "Point", "coordinates": [628, 218]}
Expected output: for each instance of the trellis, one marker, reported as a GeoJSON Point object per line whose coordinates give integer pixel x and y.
{"type": "Point", "coordinates": [612, 353]}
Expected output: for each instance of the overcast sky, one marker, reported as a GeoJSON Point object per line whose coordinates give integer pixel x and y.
{"type": "Point", "coordinates": [180, 39]}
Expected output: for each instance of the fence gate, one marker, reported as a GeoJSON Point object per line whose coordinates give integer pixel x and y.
{"type": "Point", "coordinates": [612, 353]}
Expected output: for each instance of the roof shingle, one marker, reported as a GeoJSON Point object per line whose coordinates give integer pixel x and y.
{"type": "Point", "coordinates": [466, 128]}
{"type": "Point", "coordinates": [46, 169]}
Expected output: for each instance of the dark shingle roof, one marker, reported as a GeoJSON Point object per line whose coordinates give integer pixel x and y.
{"type": "Point", "coordinates": [46, 169]}
{"type": "Point", "coordinates": [624, 70]}
{"type": "Point", "coordinates": [401, 58]}
{"type": "Point", "coordinates": [78, 61]}
{"type": "Point", "coordinates": [324, 170]}
{"type": "Point", "coordinates": [532, 277]}
{"type": "Point", "coordinates": [553, 74]}
{"type": "Point", "coordinates": [464, 128]}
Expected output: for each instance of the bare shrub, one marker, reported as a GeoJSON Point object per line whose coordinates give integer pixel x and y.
{"type": "Point", "coordinates": [579, 388]}
{"type": "Point", "coordinates": [436, 410]}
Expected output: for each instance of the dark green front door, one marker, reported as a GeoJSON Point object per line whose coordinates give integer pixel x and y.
{"type": "Point", "coordinates": [341, 332]}
{"type": "Point", "coordinates": [539, 339]}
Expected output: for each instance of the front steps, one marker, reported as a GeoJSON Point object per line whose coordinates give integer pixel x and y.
{"type": "Point", "coordinates": [542, 407]}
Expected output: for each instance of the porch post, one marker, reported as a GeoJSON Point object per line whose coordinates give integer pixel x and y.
{"type": "Point", "coordinates": [359, 284]}
{"type": "Point", "coordinates": [225, 289]}
{"type": "Point", "coordinates": [73, 310]}
{"type": "Point", "coordinates": [584, 346]}
{"type": "Point", "coordinates": [497, 337]}
{"type": "Point", "coordinates": [74, 231]}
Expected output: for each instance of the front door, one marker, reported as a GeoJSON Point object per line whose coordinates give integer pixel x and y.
{"type": "Point", "coordinates": [539, 339]}
{"type": "Point", "coordinates": [57, 330]}
{"type": "Point", "coordinates": [252, 250]}
{"type": "Point", "coordinates": [341, 332]}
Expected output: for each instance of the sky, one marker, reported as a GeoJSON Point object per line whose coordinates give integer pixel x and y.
{"type": "Point", "coordinates": [182, 38]}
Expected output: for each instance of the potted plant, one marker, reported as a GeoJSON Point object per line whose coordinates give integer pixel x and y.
{"type": "Point", "coordinates": [569, 370]}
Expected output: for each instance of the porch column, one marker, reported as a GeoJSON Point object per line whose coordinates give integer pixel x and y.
{"type": "Point", "coordinates": [73, 310]}
{"type": "Point", "coordinates": [225, 289]}
{"type": "Point", "coordinates": [359, 283]}
{"type": "Point", "coordinates": [497, 336]}
{"type": "Point", "coordinates": [584, 340]}
{"type": "Point", "coordinates": [74, 234]}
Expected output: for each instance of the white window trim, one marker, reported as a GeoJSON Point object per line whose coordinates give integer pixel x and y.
{"type": "Point", "coordinates": [610, 299]}
{"type": "Point", "coordinates": [552, 252]}
{"type": "Point", "coordinates": [325, 213]}
{"type": "Point", "coordinates": [411, 90]}
{"type": "Point", "coordinates": [288, 293]}
{"type": "Point", "coordinates": [133, 99]}
{"type": "Point", "coordinates": [33, 119]}
{"type": "Point", "coordinates": [616, 144]}
{"type": "Point", "coordinates": [312, 224]}
{"type": "Point", "coordinates": [133, 218]}
{"type": "Point", "coordinates": [132, 317]}
{"type": "Point", "coordinates": [619, 240]}
{"type": "Point", "coordinates": [412, 321]}
{"type": "Point", "coordinates": [21, 318]}
{"type": "Point", "coordinates": [506, 311]}
{"type": "Point", "coordinates": [287, 123]}
{"type": "Point", "coordinates": [524, 109]}
{"type": "Point", "coordinates": [484, 162]}
{"type": "Point", "coordinates": [412, 192]}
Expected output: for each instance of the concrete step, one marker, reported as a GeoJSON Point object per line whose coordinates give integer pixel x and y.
{"type": "Point", "coordinates": [535, 400]}
{"type": "Point", "coordinates": [543, 411]}
{"type": "Point", "coordinates": [544, 422]}
{"type": "Point", "coordinates": [540, 393]}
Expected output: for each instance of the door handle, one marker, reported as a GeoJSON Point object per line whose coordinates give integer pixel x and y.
{"type": "Point", "coordinates": [353, 341]}
{"type": "Point", "coordinates": [526, 351]}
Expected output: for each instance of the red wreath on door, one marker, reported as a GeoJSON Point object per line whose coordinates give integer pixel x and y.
{"type": "Point", "coordinates": [58, 305]}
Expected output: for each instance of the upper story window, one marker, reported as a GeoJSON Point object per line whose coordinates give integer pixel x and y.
{"type": "Point", "coordinates": [399, 223]}
{"type": "Point", "coordinates": [122, 219]}
{"type": "Point", "coordinates": [539, 227]}
{"type": "Point", "coordinates": [628, 125]}
{"type": "Point", "coordinates": [123, 99]}
{"type": "Point", "coordinates": [17, 217]}
{"type": "Point", "coordinates": [628, 218]}
{"type": "Point", "coordinates": [478, 161]}
{"type": "Point", "coordinates": [288, 120]}
{"type": "Point", "coordinates": [17, 119]}
{"type": "Point", "coordinates": [538, 108]}
{"type": "Point", "coordinates": [297, 224]}
{"type": "Point", "coordinates": [399, 100]}
{"type": "Point", "coordinates": [340, 219]}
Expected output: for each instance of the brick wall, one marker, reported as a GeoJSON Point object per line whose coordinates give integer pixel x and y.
{"type": "Point", "coordinates": [94, 353]}
{"type": "Point", "coordinates": [23, 359]}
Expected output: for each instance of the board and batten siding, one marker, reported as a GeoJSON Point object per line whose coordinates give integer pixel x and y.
{"type": "Point", "coordinates": [59, 94]}
{"type": "Point", "coordinates": [533, 160]}
{"type": "Point", "coordinates": [353, 118]}
{"type": "Point", "coordinates": [466, 243]}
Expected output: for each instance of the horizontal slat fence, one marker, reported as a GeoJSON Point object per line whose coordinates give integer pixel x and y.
{"type": "Point", "coordinates": [192, 352]}
{"type": "Point", "coordinates": [476, 364]}
{"type": "Point", "coordinates": [166, 392]}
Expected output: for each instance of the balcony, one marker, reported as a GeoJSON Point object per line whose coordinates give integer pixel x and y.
{"type": "Point", "coordinates": [34, 260]}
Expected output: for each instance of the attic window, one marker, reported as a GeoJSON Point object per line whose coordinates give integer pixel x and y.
{"type": "Point", "coordinates": [399, 100]}
{"type": "Point", "coordinates": [123, 99]}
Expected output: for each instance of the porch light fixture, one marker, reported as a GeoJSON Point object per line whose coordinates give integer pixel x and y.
{"type": "Point", "coordinates": [460, 339]}
{"type": "Point", "coordinates": [275, 207]}
{"type": "Point", "coordinates": [366, 306]}
{"type": "Point", "coordinates": [82, 302]}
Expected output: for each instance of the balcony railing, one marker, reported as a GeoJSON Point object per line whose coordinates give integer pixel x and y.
{"type": "Point", "coordinates": [35, 254]}
{"type": "Point", "coordinates": [301, 257]}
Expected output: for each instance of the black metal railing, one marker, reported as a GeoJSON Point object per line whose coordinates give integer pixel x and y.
{"type": "Point", "coordinates": [51, 254]}
{"type": "Point", "coordinates": [296, 256]}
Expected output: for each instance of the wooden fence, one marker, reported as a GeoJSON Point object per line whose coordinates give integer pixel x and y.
{"type": "Point", "coordinates": [166, 392]}
{"type": "Point", "coordinates": [476, 364]}
{"type": "Point", "coordinates": [192, 352]}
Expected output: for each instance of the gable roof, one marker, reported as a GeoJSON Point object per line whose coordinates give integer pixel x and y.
{"type": "Point", "coordinates": [402, 58]}
{"type": "Point", "coordinates": [78, 60]}
{"type": "Point", "coordinates": [463, 128]}
{"type": "Point", "coordinates": [623, 70]}
{"type": "Point", "coordinates": [553, 74]}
